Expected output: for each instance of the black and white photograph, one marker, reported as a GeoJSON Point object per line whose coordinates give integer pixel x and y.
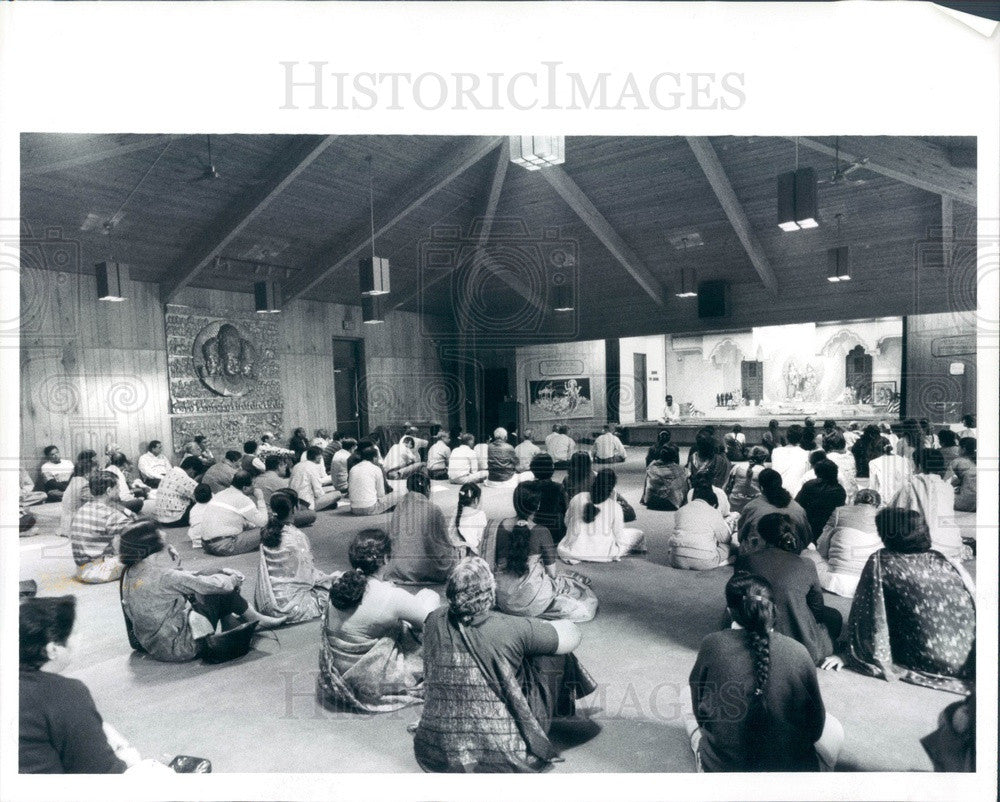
{"type": "Point", "coordinates": [352, 451]}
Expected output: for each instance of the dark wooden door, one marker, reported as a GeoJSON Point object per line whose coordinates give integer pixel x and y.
{"type": "Point", "coordinates": [752, 380]}
{"type": "Point", "coordinates": [496, 390]}
{"type": "Point", "coordinates": [858, 374]}
{"type": "Point", "coordinates": [348, 378]}
{"type": "Point", "coordinates": [639, 386]}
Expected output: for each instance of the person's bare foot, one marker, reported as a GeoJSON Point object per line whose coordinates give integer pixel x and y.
{"type": "Point", "coordinates": [264, 621]}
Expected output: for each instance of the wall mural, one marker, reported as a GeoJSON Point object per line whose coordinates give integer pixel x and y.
{"type": "Point", "coordinates": [560, 398]}
{"type": "Point", "coordinates": [223, 374]}
{"type": "Point", "coordinates": [801, 382]}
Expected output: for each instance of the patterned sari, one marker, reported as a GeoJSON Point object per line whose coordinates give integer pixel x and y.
{"type": "Point", "coordinates": [288, 582]}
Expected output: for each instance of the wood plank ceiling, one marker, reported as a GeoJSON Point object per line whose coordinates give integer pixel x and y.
{"type": "Point", "coordinates": [619, 200]}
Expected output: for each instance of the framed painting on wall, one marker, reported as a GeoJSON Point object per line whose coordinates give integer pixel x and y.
{"type": "Point", "coordinates": [884, 395]}
{"type": "Point", "coordinates": [556, 399]}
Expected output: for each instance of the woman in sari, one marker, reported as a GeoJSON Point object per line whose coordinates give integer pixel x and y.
{"type": "Point", "coordinates": [773, 498]}
{"type": "Point", "coordinates": [666, 481]}
{"type": "Point", "coordinates": [706, 460]}
{"type": "Point", "coordinates": [495, 683]}
{"type": "Point", "coordinates": [370, 657]}
{"type": "Point", "coordinates": [288, 582]}
{"type": "Point", "coordinates": [77, 492]}
{"type": "Point", "coordinates": [744, 481]}
{"type": "Point", "coordinates": [595, 525]}
{"type": "Point", "coordinates": [423, 550]}
{"type": "Point", "coordinates": [528, 583]}
{"type": "Point", "coordinates": [929, 494]}
{"type": "Point", "coordinates": [579, 475]}
{"type": "Point", "coordinates": [914, 611]}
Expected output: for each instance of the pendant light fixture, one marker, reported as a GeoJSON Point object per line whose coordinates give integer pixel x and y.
{"type": "Point", "coordinates": [111, 279]}
{"type": "Point", "coordinates": [838, 260]}
{"type": "Point", "coordinates": [267, 296]}
{"type": "Point", "coordinates": [373, 275]}
{"type": "Point", "coordinates": [688, 284]}
{"type": "Point", "coordinates": [371, 309]}
{"type": "Point", "coordinates": [536, 152]}
{"type": "Point", "coordinates": [797, 200]}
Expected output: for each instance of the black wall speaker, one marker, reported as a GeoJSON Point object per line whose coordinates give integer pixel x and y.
{"type": "Point", "coordinates": [712, 299]}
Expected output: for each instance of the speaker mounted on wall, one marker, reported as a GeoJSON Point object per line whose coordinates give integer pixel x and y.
{"type": "Point", "coordinates": [712, 299]}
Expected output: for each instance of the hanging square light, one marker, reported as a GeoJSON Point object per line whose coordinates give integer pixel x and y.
{"type": "Point", "coordinates": [797, 200]}
{"type": "Point", "coordinates": [373, 275]}
{"type": "Point", "coordinates": [536, 152]}
{"type": "Point", "coordinates": [267, 296]}
{"type": "Point", "coordinates": [371, 309]}
{"type": "Point", "coordinates": [687, 288]}
{"type": "Point", "coordinates": [111, 278]}
{"type": "Point", "coordinates": [562, 297]}
{"type": "Point", "coordinates": [838, 262]}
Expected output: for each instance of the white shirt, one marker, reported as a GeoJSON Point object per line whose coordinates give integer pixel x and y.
{"type": "Point", "coordinates": [462, 462]}
{"type": "Point", "coordinates": [153, 465]}
{"type": "Point", "coordinates": [791, 462]}
{"type": "Point", "coordinates": [399, 456]}
{"type": "Point", "coordinates": [124, 491]}
{"type": "Point", "coordinates": [338, 469]}
{"type": "Point", "coordinates": [560, 446]}
{"type": "Point", "coordinates": [472, 527]}
{"type": "Point", "coordinates": [720, 496]}
{"type": "Point", "coordinates": [60, 471]}
{"type": "Point", "coordinates": [366, 484]}
{"type": "Point", "coordinates": [525, 451]}
{"type": "Point", "coordinates": [608, 445]}
{"type": "Point", "coordinates": [437, 456]}
{"type": "Point", "coordinates": [671, 412]}
{"type": "Point", "coordinates": [307, 480]}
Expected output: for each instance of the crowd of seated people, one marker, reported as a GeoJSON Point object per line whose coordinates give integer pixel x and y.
{"type": "Point", "coordinates": [493, 664]}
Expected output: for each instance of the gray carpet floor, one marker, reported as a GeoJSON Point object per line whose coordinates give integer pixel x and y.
{"type": "Point", "coordinates": [259, 714]}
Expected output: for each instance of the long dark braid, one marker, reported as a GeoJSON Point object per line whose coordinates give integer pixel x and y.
{"type": "Point", "coordinates": [468, 494]}
{"type": "Point", "coordinates": [750, 601]}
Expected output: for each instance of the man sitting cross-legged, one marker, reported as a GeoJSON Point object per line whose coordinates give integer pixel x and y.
{"type": "Point", "coordinates": [95, 530]}
{"type": "Point", "coordinates": [233, 518]}
{"type": "Point", "coordinates": [312, 483]}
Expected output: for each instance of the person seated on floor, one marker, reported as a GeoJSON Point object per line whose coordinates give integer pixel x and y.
{"type": "Point", "coordinates": [962, 472]}
{"type": "Point", "coordinates": [735, 444]}
{"type": "Point", "coordinates": [526, 451]}
{"type": "Point", "coordinates": [791, 461]}
{"type": "Point", "coordinates": [819, 497]}
{"type": "Point", "coordinates": [298, 443]}
{"type": "Point", "coordinates": [868, 446]}
{"type": "Point", "coordinates": [131, 490]}
{"type": "Point", "coordinates": [196, 516]}
{"type": "Point", "coordinates": [420, 445]}
{"type": "Point", "coordinates": [968, 427]}
{"type": "Point", "coordinates": [463, 463]}
{"type": "Point", "coordinates": [469, 526]}
{"type": "Point", "coordinates": [268, 446]}
{"type": "Point", "coordinates": [773, 438]}
{"type": "Point", "coordinates": [845, 544]}
{"type": "Point", "coordinates": [797, 594]}
{"type": "Point", "coordinates": [501, 461]}
{"type": "Point", "coordinates": [233, 518]}
{"type": "Point", "coordinates": [199, 447]}
{"type": "Point", "coordinates": [809, 442]}
{"type": "Point", "coordinates": [275, 476]}
{"type": "Point", "coordinates": [312, 483]}
{"type": "Point", "coordinates": [608, 447]}
{"type": "Point", "coordinates": [851, 434]}
{"type": "Point", "coordinates": [779, 721]}
{"type": "Point", "coordinates": [889, 473]}
{"type": "Point", "coordinates": [579, 475]}
{"type": "Point", "coordinates": [95, 530]}
{"type": "Point", "coordinates": [422, 548]}
{"type": "Point", "coordinates": [437, 457]}
{"type": "Point", "coordinates": [77, 492]}
{"type": "Point", "coordinates": [154, 465]}
{"type": "Point", "coordinates": [662, 439]}
{"type": "Point", "coordinates": [701, 539]}
{"type": "Point", "coordinates": [527, 581]}
{"type": "Point", "coordinates": [744, 481]}
{"type": "Point", "coordinates": [595, 525]}
{"type": "Point", "coordinates": [705, 459]}
{"type": "Point", "coordinates": [366, 484]}
{"type": "Point", "coordinates": [59, 728]}
{"type": "Point", "coordinates": [402, 460]}
{"type": "Point", "coordinates": [952, 746]}
{"type": "Point", "coordinates": [321, 437]}
{"type": "Point", "coordinates": [720, 495]}
{"type": "Point", "coordinates": [288, 582]}
{"type": "Point", "coordinates": [773, 498]}
{"type": "Point", "coordinates": [172, 611]}
{"type": "Point", "coordinates": [949, 445]}
{"type": "Point", "coordinates": [495, 684]}
{"type": "Point", "coordinates": [370, 659]}
{"type": "Point", "coordinates": [56, 473]}
{"type": "Point", "coordinates": [220, 475]}
{"type": "Point", "coordinates": [339, 463]}
{"type": "Point", "coordinates": [250, 461]}
{"type": "Point", "coordinates": [914, 612]}
{"type": "Point", "coordinates": [666, 481]}
{"type": "Point", "coordinates": [552, 500]}
{"type": "Point", "coordinates": [560, 446]}
{"type": "Point", "coordinates": [27, 495]}
{"type": "Point", "coordinates": [835, 447]}
{"type": "Point", "coordinates": [175, 495]}
{"type": "Point", "coordinates": [928, 493]}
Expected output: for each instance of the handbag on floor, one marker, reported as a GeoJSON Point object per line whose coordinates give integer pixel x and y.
{"type": "Point", "coordinates": [186, 764]}
{"type": "Point", "coordinates": [228, 645]}
{"type": "Point", "coordinates": [627, 510]}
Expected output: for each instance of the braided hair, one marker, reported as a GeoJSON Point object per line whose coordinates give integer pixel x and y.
{"type": "Point", "coordinates": [369, 551]}
{"type": "Point", "coordinates": [601, 489]}
{"type": "Point", "coordinates": [468, 494]}
{"type": "Point", "coordinates": [750, 601]}
{"type": "Point", "coordinates": [526, 503]}
{"type": "Point", "coordinates": [282, 506]}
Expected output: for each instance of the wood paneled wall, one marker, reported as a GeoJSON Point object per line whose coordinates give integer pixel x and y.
{"type": "Point", "coordinates": [94, 373]}
{"type": "Point", "coordinates": [934, 343]}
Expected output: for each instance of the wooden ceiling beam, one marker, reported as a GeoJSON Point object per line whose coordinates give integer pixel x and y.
{"type": "Point", "coordinates": [719, 181]}
{"type": "Point", "coordinates": [909, 159]}
{"type": "Point", "coordinates": [288, 166]}
{"type": "Point", "coordinates": [346, 248]}
{"type": "Point", "coordinates": [623, 253]}
{"type": "Point", "coordinates": [95, 156]}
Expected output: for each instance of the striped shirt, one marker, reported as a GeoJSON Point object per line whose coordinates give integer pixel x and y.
{"type": "Point", "coordinates": [175, 493]}
{"type": "Point", "coordinates": [95, 527]}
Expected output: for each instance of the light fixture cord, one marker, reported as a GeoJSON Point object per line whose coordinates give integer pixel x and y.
{"type": "Point", "coordinates": [136, 187]}
{"type": "Point", "coordinates": [371, 203]}
{"type": "Point", "coordinates": [796, 153]}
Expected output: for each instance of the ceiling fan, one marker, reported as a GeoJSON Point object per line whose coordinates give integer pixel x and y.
{"type": "Point", "coordinates": [842, 173]}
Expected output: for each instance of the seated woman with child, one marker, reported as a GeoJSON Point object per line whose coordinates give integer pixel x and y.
{"type": "Point", "coordinates": [370, 659]}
